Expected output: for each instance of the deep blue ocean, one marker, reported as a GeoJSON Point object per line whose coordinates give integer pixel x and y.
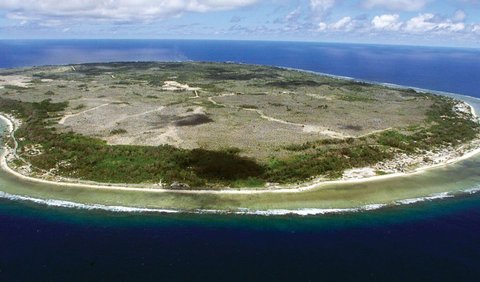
{"type": "Point", "coordinates": [444, 69]}
{"type": "Point", "coordinates": [428, 241]}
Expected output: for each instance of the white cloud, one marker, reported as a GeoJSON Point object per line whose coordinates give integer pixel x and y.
{"type": "Point", "coordinates": [116, 10]}
{"type": "Point", "coordinates": [429, 22]}
{"type": "Point", "coordinates": [460, 16]}
{"type": "Point", "coordinates": [391, 23]}
{"type": "Point", "coordinates": [449, 26]}
{"type": "Point", "coordinates": [322, 27]}
{"type": "Point", "coordinates": [51, 23]}
{"type": "Point", "coordinates": [386, 22]}
{"type": "Point", "coordinates": [344, 24]}
{"type": "Point", "coordinates": [396, 5]}
{"type": "Point", "coordinates": [420, 23]}
{"type": "Point", "coordinates": [293, 15]}
{"type": "Point", "coordinates": [475, 29]}
{"type": "Point", "coordinates": [322, 5]}
{"type": "Point", "coordinates": [321, 8]}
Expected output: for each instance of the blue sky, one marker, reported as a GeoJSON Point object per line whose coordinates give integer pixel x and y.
{"type": "Point", "coordinates": [413, 22]}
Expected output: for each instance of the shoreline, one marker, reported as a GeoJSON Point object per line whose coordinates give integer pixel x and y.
{"type": "Point", "coordinates": [11, 123]}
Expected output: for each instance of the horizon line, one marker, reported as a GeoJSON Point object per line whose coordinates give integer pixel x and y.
{"type": "Point", "coordinates": [250, 40]}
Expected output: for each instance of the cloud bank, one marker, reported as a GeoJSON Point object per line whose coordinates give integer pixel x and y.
{"type": "Point", "coordinates": [363, 20]}
{"type": "Point", "coordinates": [116, 10]}
{"type": "Point", "coordinates": [396, 5]}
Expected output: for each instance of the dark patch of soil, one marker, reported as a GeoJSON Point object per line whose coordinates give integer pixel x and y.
{"type": "Point", "coordinates": [352, 127]}
{"type": "Point", "coordinates": [193, 120]}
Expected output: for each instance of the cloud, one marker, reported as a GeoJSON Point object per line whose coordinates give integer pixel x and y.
{"type": "Point", "coordinates": [396, 5]}
{"type": "Point", "coordinates": [421, 23]}
{"type": "Point", "coordinates": [460, 16]}
{"type": "Point", "coordinates": [115, 10]}
{"type": "Point", "coordinates": [476, 29]}
{"type": "Point", "coordinates": [386, 22]}
{"type": "Point", "coordinates": [429, 22]}
{"type": "Point", "coordinates": [344, 24]}
{"type": "Point", "coordinates": [293, 21]}
{"type": "Point", "coordinates": [236, 19]}
{"type": "Point", "coordinates": [471, 2]}
{"type": "Point", "coordinates": [392, 24]}
{"type": "Point", "coordinates": [321, 8]}
{"type": "Point", "coordinates": [322, 26]}
{"type": "Point", "coordinates": [294, 15]}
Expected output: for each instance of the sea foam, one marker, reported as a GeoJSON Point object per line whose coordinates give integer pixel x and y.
{"type": "Point", "coordinates": [73, 205]}
{"type": "Point", "coordinates": [240, 211]}
{"type": "Point", "coordinates": [432, 197]}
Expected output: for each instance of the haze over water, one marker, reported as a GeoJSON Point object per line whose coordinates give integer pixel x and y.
{"type": "Point", "coordinates": [430, 241]}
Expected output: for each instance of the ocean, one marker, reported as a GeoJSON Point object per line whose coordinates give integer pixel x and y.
{"type": "Point", "coordinates": [443, 69]}
{"type": "Point", "coordinates": [434, 240]}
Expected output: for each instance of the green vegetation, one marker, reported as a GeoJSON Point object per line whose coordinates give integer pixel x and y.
{"type": "Point", "coordinates": [79, 107]}
{"type": "Point", "coordinates": [118, 131]}
{"type": "Point", "coordinates": [330, 160]}
{"type": "Point", "coordinates": [293, 83]}
{"type": "Point", "coordinates": [14, 87]}
{"type": "Point", "coordinates": [332, 156]}
{"type": "Point", "coordinates": [265, 150]}
{"type": "Point", "coordinates": [446, 128]}
{"type": "Point", "coordinates": [93, 159]}
{"type": "Point", "coordinates": [356, 98]}
{"type": "Point", "coordinates": [252, 107]}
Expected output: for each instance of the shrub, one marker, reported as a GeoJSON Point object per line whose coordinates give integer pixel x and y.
{"type": "Point", "coordinates": [118, 131]}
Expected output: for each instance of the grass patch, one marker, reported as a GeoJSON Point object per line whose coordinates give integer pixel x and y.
{"type": "Point", "coordinates": [252, 107]}
{"type": "Point", "coordinates": [276, 104]}
{"type": "Point", "coordinates": [79, 107]}
{"type": "Point", "coordinates": [250, 182]}
{"type": "Point", "coordinates": [356, 98]}
{"type": "Point", "coordinates": [14, 87]}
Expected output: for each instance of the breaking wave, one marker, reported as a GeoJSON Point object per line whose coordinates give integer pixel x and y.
{"type": "Point", "coordinates": [243, 211]}
{"type": "Point", "coordinates": [424, 199]}
{"type": "Point", "coordinates": [73, 205]}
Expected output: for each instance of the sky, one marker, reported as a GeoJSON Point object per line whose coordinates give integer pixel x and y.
{"type": "Point", "coordinates": [411, 22]}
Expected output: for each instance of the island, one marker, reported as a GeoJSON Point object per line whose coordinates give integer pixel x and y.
{"type": "Point", "coordinates": [197, 126]}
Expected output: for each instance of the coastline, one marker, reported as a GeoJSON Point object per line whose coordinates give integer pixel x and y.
{"type": "Point", "coordinates": [315, 184]}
